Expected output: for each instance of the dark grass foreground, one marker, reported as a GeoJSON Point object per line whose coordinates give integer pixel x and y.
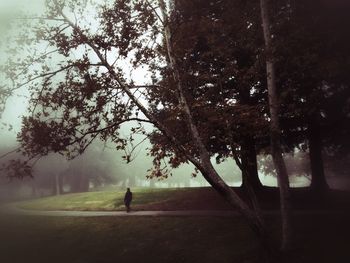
{"type": "Point", "coordinates": [159, 239]}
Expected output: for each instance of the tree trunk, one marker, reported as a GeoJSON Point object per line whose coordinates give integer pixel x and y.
{"type": "Point", "coordinates": [84, 183]}
{"type": "Point", "coordinates": [57, 188]}
{"type": "Point", "coordinates": [34, 188]}
{"type": "Point", "coordinates": [275, 133]}
{"type": "Point", "coordinates": [152, 183]}
{"type": "Point", "coordinates": [74, 181]}
{"type": "Point", "coordinates": [318, 179]}
{"type": "Point", "coordinates": [60, 183]}
{"type": "Point", "coordinates": [132, 181]}
{"type": "Point", "coordinates": [249, 164]}
{"type": "Point", "coordinates": [204, 164]}
{"type": "Point", "coordinates": [79, 182]}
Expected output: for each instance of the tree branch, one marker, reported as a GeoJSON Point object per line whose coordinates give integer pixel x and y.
{"type": "Point", "coordinates": [97, 131]}
{"type": "Point", "coordinates": [127, 89]}
{"type": "Point", "coordinates": [155, 12]}
{"type": "Point", "coordinates": [10, 152]}
{"type": "Point", "coordinates": [39, 18]}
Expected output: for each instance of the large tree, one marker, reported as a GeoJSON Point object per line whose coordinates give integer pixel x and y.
{"type": "Point", "coordinates": [218, 45]}
{"type": "Point", "coordinates": [81, 90]}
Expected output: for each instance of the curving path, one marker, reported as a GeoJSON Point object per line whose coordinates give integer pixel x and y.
{"type": "Point", "coordinates": [11, 209]}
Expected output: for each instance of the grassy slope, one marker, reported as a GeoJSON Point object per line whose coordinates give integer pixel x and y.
{"type": "Point", "coordinates": [319, 238]}
{"type": "Point", "coordinates": [159, 240]}
{"type": "Point", "coordinates": [143, 199]}
{"type": "Point", "coordinates": [180, 199]}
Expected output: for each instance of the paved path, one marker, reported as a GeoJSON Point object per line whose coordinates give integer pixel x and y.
{"type": "Point", "coordinates": [11, 209]}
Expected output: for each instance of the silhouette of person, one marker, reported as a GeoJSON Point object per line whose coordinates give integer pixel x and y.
{"type": "Point", "coordinates": [128, 199]}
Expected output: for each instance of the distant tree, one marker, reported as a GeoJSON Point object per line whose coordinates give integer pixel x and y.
{"type": "Point", "coordinates": [314, 85]}
{"type": "Point", "coordinates": [297, 164]}
{"type": "Point", "coordinates": [337, 165]}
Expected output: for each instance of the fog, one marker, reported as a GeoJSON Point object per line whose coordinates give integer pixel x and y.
{"type": "Point", "coordinates": [101, 166]}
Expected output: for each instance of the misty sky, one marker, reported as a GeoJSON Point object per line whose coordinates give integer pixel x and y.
{"type": "Point", "coordinates": [17, 104]}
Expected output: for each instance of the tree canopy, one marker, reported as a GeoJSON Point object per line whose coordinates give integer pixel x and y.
{"type": "Point", "coordinates": [190, 76]}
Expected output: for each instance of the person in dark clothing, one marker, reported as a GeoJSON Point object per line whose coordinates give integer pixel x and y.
{"type": "Point", "coordinates": [128, 199]}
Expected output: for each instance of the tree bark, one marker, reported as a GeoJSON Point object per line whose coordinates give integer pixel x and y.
{"type": "Point", "coordinates": [275, 132]}
{"type": "Point", "coordinates": [318, 179]}
{"type": "Point", "coordinates": [249, 164]}
{"type": "Point", "coordinates": [204, 164]}
{"type": "Point", "coordinates": [57, 185]}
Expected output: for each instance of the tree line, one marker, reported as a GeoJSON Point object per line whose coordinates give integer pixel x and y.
{"type": "Point", "coordinates": [224, 80]}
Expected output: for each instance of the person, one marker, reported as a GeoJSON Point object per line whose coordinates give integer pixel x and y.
{"type": "Point", "coordinates": [128, 199]}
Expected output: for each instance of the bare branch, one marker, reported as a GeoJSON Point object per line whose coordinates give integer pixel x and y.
{"type": "Point", "coordinates": [53, 73]}
{"type": "Point", "coordinates": [39, 18]}
{"type": "Point", "coordinates": [134, 147]}
{"type": "Point", "coordinates": [155, 12]}
{"type": "Point", "coordinates": [35, 60]}
{"type": "Point", "coordinates": [97, 131]}
{"type": "Point", "coordinates": [10, 152]}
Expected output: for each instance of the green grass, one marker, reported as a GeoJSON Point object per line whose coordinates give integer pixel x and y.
{"type": "Point", "coordinates": [318, 238]}
{"type": "Point", "coordinates": [203, 198]}
{"type": "Point", "coordinates": [106, 200]}
{"type": "Point", "coordinates": [163, 239]}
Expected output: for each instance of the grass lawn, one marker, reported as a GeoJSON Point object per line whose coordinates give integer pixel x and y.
{"type": "Point", "coordinates": [163, 239]}
{"type": "Point", "coordinates": [26, 239]}
{"type": "Point", "coordinates": [143, 198]}
{"type": "Point", "coordinates": [204, 198]}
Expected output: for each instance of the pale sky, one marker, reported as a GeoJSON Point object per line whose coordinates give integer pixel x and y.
{"type": "Point", "coordinates": [17, 104]}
